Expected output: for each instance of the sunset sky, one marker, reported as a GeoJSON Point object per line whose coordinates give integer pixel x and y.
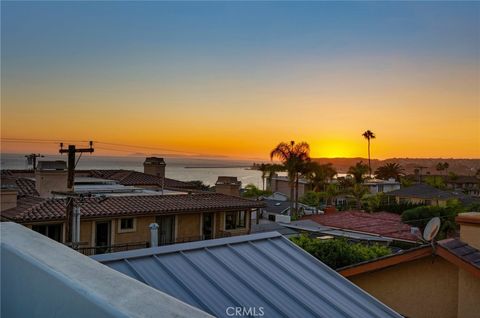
{"type": "Point", "coordinates": [234, 79]}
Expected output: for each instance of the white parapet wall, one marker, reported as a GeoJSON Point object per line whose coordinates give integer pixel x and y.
{"type": "Point", "coordinates": [43, 278]}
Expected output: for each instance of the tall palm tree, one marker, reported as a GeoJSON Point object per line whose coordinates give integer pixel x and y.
{"type": "Point", "coordinates": [390, 170]}
{"type": "Point", "coordinates": [293, 157]}
{"type": "Point", "coordinates": [369, 135]}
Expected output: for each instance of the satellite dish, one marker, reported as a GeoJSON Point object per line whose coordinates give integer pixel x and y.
{"type": "Point", "coordinates": [431, 230]}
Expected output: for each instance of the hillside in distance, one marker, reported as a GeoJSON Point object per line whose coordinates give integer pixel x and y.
{"type": "Point", "coordinates": [457, 166]}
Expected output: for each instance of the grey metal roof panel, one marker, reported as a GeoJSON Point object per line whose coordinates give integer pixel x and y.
{"type": "Point", "coordinates": [260, 270]}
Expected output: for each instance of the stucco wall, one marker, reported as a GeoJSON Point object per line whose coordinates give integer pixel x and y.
{"type": "Point", "coordinates": [141, 233]}
{"type": "Point", "coordinates": [470, 233]}
{"type": "Point", "coordinates": [420, 288]}
{"type": "Point", "coordinates": [468, 295]}
{"type": "Point", "coordinates": [219, 222]}
{"type": "Point", "coordinates": [282, 187]}
{"type": "Point", "coordinates": [86, 232]}
{"type": "Point", "coordinates": [8, 199]}
{"type": "Point", "coordinates": [48, 181]}
{"type": "Point", "coordinates": [42, 278]}
{"type": "Point", "coordinates": [188, 226]}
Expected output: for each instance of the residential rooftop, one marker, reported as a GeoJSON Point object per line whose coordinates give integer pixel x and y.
{"type": "Point", "coordinates": [427, 192]}
{"type": "Point", "coordinates": [453, 250]}
{"type": "Point", "coordinates": [31, 209]}
{"type": "Point", "coordinates": [386, 224]}
{"type": "Point", "coordinates": [260, 270]}
{"type": "Point", "coordinates": [25, 179]}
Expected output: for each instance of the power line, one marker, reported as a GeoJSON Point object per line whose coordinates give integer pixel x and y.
{"type": "Point", "coordinates": [6, 139]}
{"type": "Point", "coordinates": [43, 141]}
{"type": "Point", "coordinates": [143, 147]}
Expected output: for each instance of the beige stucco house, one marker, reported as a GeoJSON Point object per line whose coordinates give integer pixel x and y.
{"type": "Point", "coordinates": [440, 281]}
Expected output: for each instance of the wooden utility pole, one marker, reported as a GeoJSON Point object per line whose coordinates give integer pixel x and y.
{"type": "Point", "coordinates": [33, 158]}
{"type": "Point", "coordinates": [71, 151]}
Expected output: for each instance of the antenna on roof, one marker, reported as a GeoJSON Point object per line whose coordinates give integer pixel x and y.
{"type": "Point", "coordinates": [431, 231]}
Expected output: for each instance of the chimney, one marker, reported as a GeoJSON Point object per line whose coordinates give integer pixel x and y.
{"type": "Point", "coordinates": [228, 185]}
{"type": "Point", "coordinates": [469, 228]}
{"type": "Point", "coordinates": [154, 166]}
{"type": "Point", "coordinates": [51, 176]}
{"type": "Point", "coordinates": [8, 198]}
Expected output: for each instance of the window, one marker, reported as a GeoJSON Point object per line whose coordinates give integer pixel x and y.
{"type": "Point", "coordinates": [53, 231]}
{"type": "Point", "coordinates": [126, 225]}
{"type": "Point", "coordinates": [234, 220]}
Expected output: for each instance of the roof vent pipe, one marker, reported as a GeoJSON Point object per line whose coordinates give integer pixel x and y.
{"type": "Point", "coordinates": [153, 234]}
{"type": "Point", "coordinates": [76, 225]}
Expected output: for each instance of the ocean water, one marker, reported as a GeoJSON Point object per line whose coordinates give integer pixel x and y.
{"type": "Point", "coordinates": [180, 168]}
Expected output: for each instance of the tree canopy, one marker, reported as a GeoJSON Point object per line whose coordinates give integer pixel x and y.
{"type": "Point", "coordinates": [358, 171]}
{"type": "Point", "coordinates": [390, 170]}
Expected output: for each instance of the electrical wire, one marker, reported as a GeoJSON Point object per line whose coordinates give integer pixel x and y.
{"type": "Point", "coordinates": [43, 141]}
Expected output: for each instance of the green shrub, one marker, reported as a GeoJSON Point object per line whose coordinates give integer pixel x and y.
{"type": "Point", "coordinates": [420, 216]}
{"type": "Point", "coordinates": [312, 198]}
{"type": "Point", "coordinates": [251, 191]}
{"type": "Point", "coordinates": [339, 252]}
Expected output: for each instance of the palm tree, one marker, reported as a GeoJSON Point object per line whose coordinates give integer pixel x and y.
{"type": "Point", "coordinates": [319, 174]}
{"type": "Point", "coordinates": [442, 166]}
{"type": "Point", "coordinates": [358, 192]}
{"type": "Point", "coordinates": [369, 135]}
{"type": "Point", "coordinates": [331, 192]}
{"type": "Point", "coordinates": [264, 169]}
{"type": "Point", "coordinates": [272, 171]}
{"type": "Point", "coordinates": [390, 170]}
{"type": "Point", "coordinates": [293, 157]}
{"type": "Point", "coordinates": [439, 167]}
{"type": "Point", "coordinates": [445, 167]}
{"type": "Point", "coordinates": [358, 171]}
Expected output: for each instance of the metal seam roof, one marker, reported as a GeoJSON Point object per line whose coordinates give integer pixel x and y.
{"type": "Point", "coordinates": [263, 269]}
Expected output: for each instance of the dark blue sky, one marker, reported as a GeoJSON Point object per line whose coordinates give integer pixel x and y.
{"type": "Point", "coordinates": [205, 65]}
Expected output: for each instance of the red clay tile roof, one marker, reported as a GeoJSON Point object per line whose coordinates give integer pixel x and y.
{"type": "Point", "coordinates": [23, 204]}
{"type": "Point", "coordinates": [54, 209]}
{"type": "Point", "coordinates": [22, 185]}
{"type": "Point", "coordinates": [381, 223]}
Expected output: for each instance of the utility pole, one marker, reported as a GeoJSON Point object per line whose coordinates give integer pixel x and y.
{"type": "Point", "coordinates": [32, 159]}
{"type": "Point", "coordinates": [71, 151]}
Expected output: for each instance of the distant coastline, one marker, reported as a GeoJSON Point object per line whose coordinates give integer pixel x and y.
{"type": "Point", "coordinates": [217, 167]}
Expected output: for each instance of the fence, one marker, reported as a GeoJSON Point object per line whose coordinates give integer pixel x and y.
{"type": "Point", "coordinates": [162, 240]}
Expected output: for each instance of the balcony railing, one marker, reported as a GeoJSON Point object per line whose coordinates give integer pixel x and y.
{"type": "Point", "coordinates": [162, 240]}
{"type": "Point", "coordinates": [92, 250]}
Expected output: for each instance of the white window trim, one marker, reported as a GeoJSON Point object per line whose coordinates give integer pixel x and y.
{"type": "Point", "coordinates": [119, 225]}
